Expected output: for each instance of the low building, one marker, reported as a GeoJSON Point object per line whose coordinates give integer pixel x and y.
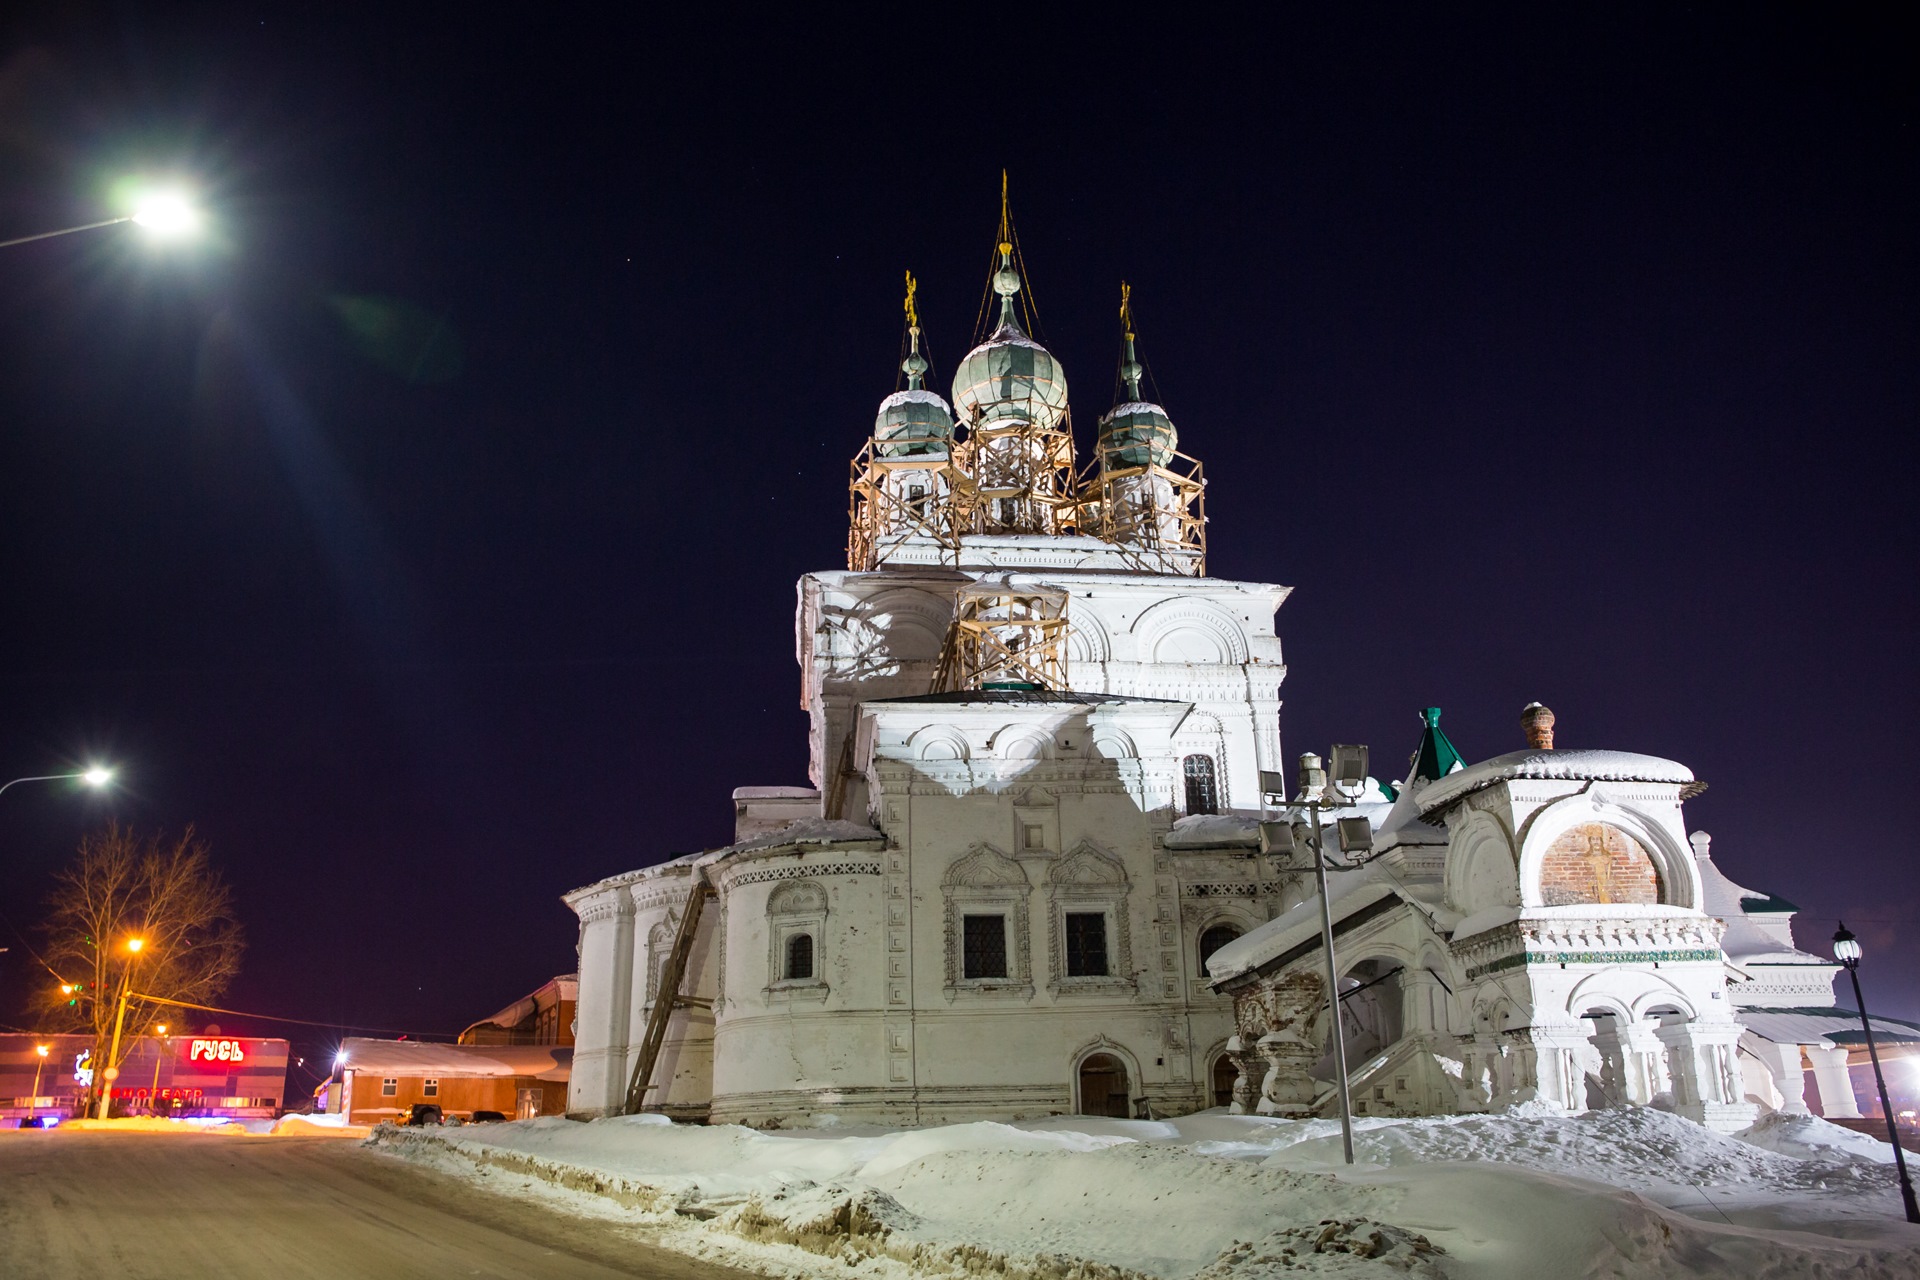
{"type": "Point", "coordinates": [183, 1075]}
{"type": "Point", "coordinates": [377, 1080]}
{"type": "Point", "coordinates": [545, 1017]}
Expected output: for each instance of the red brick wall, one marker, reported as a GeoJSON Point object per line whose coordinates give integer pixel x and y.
{"type": "Point", "coordinates": [1596, 863]}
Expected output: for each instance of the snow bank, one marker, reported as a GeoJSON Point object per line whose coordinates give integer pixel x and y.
{"type": "Point", "coordinates": [1220, 1197]}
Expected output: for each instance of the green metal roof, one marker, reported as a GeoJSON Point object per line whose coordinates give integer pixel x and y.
{"type": "Point", "coordinates": [1436, 757]}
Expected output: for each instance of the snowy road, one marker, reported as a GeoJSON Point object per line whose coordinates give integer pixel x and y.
{"type": "Point", "coordinates": [136, 1206]}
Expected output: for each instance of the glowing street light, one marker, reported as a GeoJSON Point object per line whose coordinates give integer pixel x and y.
{"type": "Point", "coordinates": [39, 1062]}
{"type": "Point", "coordinates": [162, 214]}
{"type": "Point", "coordinates": [1846, 949]}
{"type": "Point", "coordinates": [134, 947]}
{"type": "Point", "coordinates": [95, 776]}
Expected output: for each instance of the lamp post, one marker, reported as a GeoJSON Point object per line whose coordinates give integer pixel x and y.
{"type": "Point", "coordinates": [153, 1090]}
{"type": "Point", "coordinates": [1349, 780]}
{"type": "Point", "coordinates": [95, 777]}
{"type": "Point", "coordinates": [39, 1062]}
{"type": "Point", "coordinates": [1846, 949]}
{"type": "Point", "coordinates": [163, 213]}
{"type": "Point", "coordinates": [134, 946]}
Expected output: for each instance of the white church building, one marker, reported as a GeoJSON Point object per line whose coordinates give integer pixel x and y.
{"type": "Point", "coordinates": [1027, 878]}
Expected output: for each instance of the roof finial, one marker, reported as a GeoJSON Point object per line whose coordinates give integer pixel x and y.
{"type": "Point", "coordinates": [1006, 281]}
{"type": "Point", "coordinates": [915, 365]}
{"type": "Point", "coordinates": [1131, 370]}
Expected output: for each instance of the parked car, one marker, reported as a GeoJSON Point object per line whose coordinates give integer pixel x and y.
{"type": "Point", "coordinates": [488, 1117]}
{"type": "Point", "coordinates": [37, 1122]}
{"type": "Point", "coordinates": [422, 1114]}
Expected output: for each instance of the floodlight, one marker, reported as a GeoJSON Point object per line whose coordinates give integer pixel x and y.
{"type": "Point", "coordinates": [1356, 835]}
{"type": "Point", "coordinates": [1349, 766]}
{"type": "Point", "coordinates": [1273, 784]}
{"type": "Point", "coordinates": [97, 776]}
{"type": "Point", "coordinates": [1277, 837]}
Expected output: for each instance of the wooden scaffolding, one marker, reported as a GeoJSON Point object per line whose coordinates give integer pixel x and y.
{"type": "Point", "coordinates": [668, 997]}
{"type": "Point", "coordinates": [1005, 636]}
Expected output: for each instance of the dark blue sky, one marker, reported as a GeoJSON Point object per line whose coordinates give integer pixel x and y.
{"type": "Point", "coordinates": [427, 535]}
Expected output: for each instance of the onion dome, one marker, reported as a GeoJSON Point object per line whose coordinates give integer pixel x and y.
{"type": "Point", "coordinates": [915, 422]}
{"type": "Point", "coordinates": [1010, 377]}
{"type": "Point", "coordinates": [1135, 433]}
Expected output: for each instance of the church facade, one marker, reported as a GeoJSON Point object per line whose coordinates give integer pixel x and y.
{"type": "Point", "coordinates": [1028, 877]}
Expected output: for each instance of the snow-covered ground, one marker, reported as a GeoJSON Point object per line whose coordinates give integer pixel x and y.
{"type": "Point", "coordinates": [289, 1125]}
{"type": "Point", "coordinates": [1221, 1197]}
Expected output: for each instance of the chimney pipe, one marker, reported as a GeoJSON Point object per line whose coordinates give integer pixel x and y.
{"type": "Point", "coordinates": [1537, 722]}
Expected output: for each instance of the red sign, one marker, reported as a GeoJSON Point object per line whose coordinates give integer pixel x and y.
{"type": "Point", "coordinates": [216, 1051]}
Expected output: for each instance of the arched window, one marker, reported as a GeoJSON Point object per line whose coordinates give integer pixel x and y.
{"type": "Point", "coordinates": [1214, 938]}
{"type": "Point", "coordinates": [1203, 793]}
{"type": "Point", "coordinates": [799, 956]}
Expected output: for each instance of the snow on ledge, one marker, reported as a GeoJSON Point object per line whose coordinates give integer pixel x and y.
{"type": "Point", "coordinates": [1578, 766]}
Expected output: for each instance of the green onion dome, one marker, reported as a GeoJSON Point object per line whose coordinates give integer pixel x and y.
{"type": "Point", "coordinates": [914, 422]}
{"type": "Point", "coordinates": [1137, 434]}
{"type": "Point", "coordinates": [1010, 377]}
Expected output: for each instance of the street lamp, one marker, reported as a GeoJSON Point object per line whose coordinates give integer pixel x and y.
{"type": "Point", "coordinates": [134, 947]}
{"type": "Point", "coordinates": [95, 777]}
{"type": "Point", "coordinates": [39, 1062]}
{"type": "Point", "coordinates": [163, 214]}
{"type": "Point", "coordinates": [1846, 949]}
{"type": "Point", "coordinates": [1348, 782]}
{"type": "Point", "coordinates": [153, 1090]}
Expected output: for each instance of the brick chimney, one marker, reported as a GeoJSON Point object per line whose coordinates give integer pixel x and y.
{"type": "Point", "coordinates": [1537, 722]}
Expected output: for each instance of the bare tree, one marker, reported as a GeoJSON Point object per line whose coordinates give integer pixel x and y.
{"type": "Point", "coordinates": [166, 895]}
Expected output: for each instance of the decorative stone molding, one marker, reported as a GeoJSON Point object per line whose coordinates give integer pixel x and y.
{"type": "Point", "coordinates": [1090, 878]}
{"type": "Point", "coordinates": [802, 873]}
{"type": "Point", "coordinates": [988, 882]}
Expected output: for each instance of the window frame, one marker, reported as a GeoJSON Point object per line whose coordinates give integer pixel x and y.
{"type": "Point", "coordinates": [795, 907]}
{"type": "Point", "coordinates": [1208, 781]}
{"type": "Point", "coordinates": [389, 1086]}
{"type": "Point", "coordinates": [1070, 951]}
{"type": "Point", "coordinates": [791, 943]}
{"type": "Point", "coordinates": [430, 1087]}
{"type": "Point", "coordinates": [966, 949]}
{"type": "Point", "coordinates": [986, 881]}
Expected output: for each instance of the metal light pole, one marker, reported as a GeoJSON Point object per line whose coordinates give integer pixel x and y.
{"type": "Point", "coordinates": [163, 213]}
{"type": "Point", "coordinates": [1349, 779]}
{"type": "Point", "coordinates": [95, 777]}
{"type": "Point", "coordinates": [153, 1090]}
{"type": "Point", "coordinates": [41, 1050]}
{"type": "Point", "coordinates": [112, 1068]}
{"type": "Point", "coordinates": [1846, 949]}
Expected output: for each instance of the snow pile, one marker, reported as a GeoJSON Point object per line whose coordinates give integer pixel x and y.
{"type": "Point", "coordinates": [1810, 1137]}
{"type": "Point", "coordinates": [1218, 1197]}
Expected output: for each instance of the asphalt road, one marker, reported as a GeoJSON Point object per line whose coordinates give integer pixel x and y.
{"type": "Point", "coordinates": [134, 1205]}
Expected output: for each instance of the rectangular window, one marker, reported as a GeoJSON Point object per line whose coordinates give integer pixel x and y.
{"type": "Point", "coordinates": [917, 499]}
{"type": "Point", "coordinates": [432, 1089]}
{"type": "Point", "coordinates": [1033, 836]}
{"type": "Point", "coordinates": [389, 1087]}
{"type": "Point", "coordinates": [985, 952]}
{"type": "Point", "coordinates": [1086, 944]}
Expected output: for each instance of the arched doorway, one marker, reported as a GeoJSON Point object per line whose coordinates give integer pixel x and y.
{"type": "Point", "coordinates": [1103, 1086]}
{"type": "Point", "coordinates": [1225, 1075]}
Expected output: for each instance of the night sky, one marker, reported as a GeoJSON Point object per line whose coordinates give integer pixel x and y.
{"type": "Point", "coordinates": [426, 533]}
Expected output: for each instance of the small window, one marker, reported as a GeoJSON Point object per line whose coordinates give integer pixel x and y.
{"type": "Point", "coordinates": [1033, 836]}
{"type": "Point", "coordinates": [985, 949]}
{"type": "Point", "coordinates": [1203, 793]}
{"type": "Point", "coordinates": [1009, 510]}
{"type": "Point", "coordinates": [1086, 944]}
{"type": "Point", "coordinates": [389, 1087]}
{"type": "Point", "coordinates": [431, 1089]}
{"type": "Point", "coordinates": [1215, 938]}
{"type": "Point", "coordinates": [917, 499]}
{"type": "Point", "coordinates": [799, 956]}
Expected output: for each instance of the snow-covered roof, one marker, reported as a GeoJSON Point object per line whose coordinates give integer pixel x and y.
{"type": "Point", "coordinates": [916, 395]}
{"type": "Point", "coordinates": [1828, 1025]}
{"type": "Point", "coordinates": [1348, 892]}
{"type": "Point", "coordinates": [419, 1058]}
{"type": "Point", "coordinates": [1215, 831]}
{"type": "Point", "coordinates": [1597, 766]}
{"type": "Point", "coordinates": [774, 793]}
{"type": "Point", "coordinates": [805, 831]}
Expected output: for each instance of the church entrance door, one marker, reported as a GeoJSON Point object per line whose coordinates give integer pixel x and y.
{"type": "Point", "coordinates": [1103, 1087]}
